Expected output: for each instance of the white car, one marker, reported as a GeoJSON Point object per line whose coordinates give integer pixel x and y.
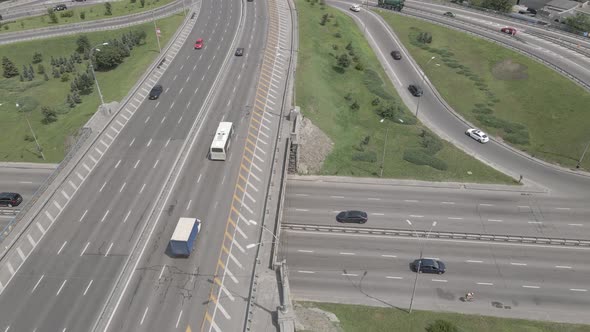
{"type": "Point", "coordinates": [355, 8]}
{"type": "Point", "coordinates": [477, 135]}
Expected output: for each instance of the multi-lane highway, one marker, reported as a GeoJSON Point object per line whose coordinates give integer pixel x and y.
{"type": "Point", "coordinates": [498, 210]}
{"type": "Point", "coordinates": [510, 280]}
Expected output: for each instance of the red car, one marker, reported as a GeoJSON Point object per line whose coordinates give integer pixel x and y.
{"type": "Point", "coordinates": [510, 31]}
{"type": "Point", "coordinates": [199, 44]}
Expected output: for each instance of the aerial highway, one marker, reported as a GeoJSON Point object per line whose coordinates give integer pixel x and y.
{"type": "Point", "coordinates": [509, 280]}
{"type": "Point", "coordinates": [85, 234]}
{"type": "Point", "coordinates": [437, 115]}
{"type": "Point", "coordinates": [480, 209]}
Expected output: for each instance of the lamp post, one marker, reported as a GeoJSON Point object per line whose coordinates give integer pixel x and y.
{"type": "Point", "coordinates": [419, 260]}
{"type": "Point", "coordinates": [583, 153]}
{"type": "Point", "coordinates": [39, 149]}
{"type": "Point", "coordinates": [424, 80]}
{"type": "Point", "coordinates": [384, 143]}
{"type": "Point", "coordinates": [93, 73]}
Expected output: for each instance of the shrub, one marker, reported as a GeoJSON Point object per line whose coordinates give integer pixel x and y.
{"type": "Point", "coordinates": [453, 64]}
{"type": "Point", "coordinates": [65, 77]}
{"type": "Point", "coordinates": [441, 325]}
{"type": "Point", "coordinates": [82, 15]}
{"type": "Point", "coordinates": [335, 47]}
{"type": "Point", "coordinates": [366, 156]}
{"type": "Point", "coordinates": [374, 83]}
{"type": "Point", "coordinates": [37, 57]}
{"type": "Point", "coordinates": [420, 157]}
{"type": "Point", "coordinates": [376, 102]}
{"type": "Point", "coordinates": [483, 110]}
{"type": "Point", "coordinates": [67, 13]}
{"type": "Point", "coordinates": [354, 106]}
{"type": "Point", "coordinates": [431, 143]}
{"type": "Point", "coordinates": [49, 115]}
{"type": "Point", "coordinates": [520, 137]}
{"type": "Point", "coordinates": [359, 66]}
{"type": "Point", "coordinates": [338, 35]}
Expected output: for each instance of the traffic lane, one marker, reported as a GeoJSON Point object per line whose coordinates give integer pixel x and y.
{"type": "Point", "coordinates": [495, 262]}
{"type": "Point", "coordinates": [24, 180]}
{"type": "Point", "coordinates": [451, 128]}
{"type": "Point", "coordinates": [478, 16]}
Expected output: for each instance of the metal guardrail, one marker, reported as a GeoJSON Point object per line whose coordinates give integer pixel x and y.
{"type": "Point", "coordinates": [9, 212]}
{"type": "Point", "coordinates": [569, 45]}
{"type": "Point", "coordinates": [440, 235]}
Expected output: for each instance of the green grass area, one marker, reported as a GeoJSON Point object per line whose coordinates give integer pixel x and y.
{"type": "Point", "coordinates": [513, 97]}
{"type": "Point", "coordinates": [363, 318]}
{"type": "Point", "coordinates": [31, 96]}
{"type": "Point", "coordinates": [91, 13]}
{"type": "Point", "coordinates": [327, 94]}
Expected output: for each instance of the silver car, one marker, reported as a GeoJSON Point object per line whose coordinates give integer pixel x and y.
{"type": "Point", "coordinates": [477, 135]}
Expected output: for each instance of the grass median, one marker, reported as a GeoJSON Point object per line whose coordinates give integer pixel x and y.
{"type": "Point", "coordinates": [17, 143]}
{"type": "Point", "coordinates": [364, 318]}
{"type": "Point", "coordinates": [514, 98]}
{"type": "Point", "coordinates": [81, 14]}
{"type": "Point", "coordinates": [342, 88]}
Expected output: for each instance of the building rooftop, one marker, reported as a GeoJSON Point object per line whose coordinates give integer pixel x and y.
{"type": "Point", "coordinates": [563, 4]}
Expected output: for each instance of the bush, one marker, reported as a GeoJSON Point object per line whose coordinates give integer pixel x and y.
{"type": "Point", "coordinates": [520, 137]}
{"type": "Point", "coordinates": [420, 157]}
{"type": "Point", "coordinates": [431, 143]}
{"type": "Point", "coordinates": [483, 110]}
{"type": "Point", "coordinates": [359, 66]}
{"type": "Point", "coordinates": [374, 83]}
{"type": "Point", "coordinates": [82, 15]}
{"type": "Point", "coordinates": [49, 115]}
{"type": "Point", "coordinates": [37, 57]}
{"type": "Point", "coordinates": [67, 13]}
{"type": "Point", "coordinates": [65, 77]}
{"type": "Point", "coordinates": [338, 35]}
{"type": "Point", "coordinates": [335, 47]}
{"type": "Point", "coordinates": [376, 102]}
{"type": "Point", "coordinates": [441, 325]}
{"type": "Point", "coordinates": [367, 156]}
{"type": "Point", "coordinates": [354, 106]}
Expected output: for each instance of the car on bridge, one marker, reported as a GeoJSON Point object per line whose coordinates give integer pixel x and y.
{"type": "Point", "coordinates": [428, 265]}
{"type": "Point", "coordinates": [477, 135]}
{"type": "Point", "coordinates": [156, 92]}
{"type": "Point", "coordinates": [508, 30]}
{"type": "Point", "coordinates": [239, 51]}
{"type": "Point", "coordinates": [352, 216]}
{"type": "Point", "coordinates": [10, 199]}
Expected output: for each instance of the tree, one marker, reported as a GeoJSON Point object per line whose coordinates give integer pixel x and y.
{"type": "Point", "coordinates": [37, 57]}
{"type": "Point", "coordinates": [40, 69]}
{"type": "Point", "coordinates": [85, 83]}
{"type": "Point", "coordinates": [108, 58]}
{"type": "Point", "coordinates": [49, 115]}
{"type": "Point", "coordinates": [343, 61]}
{"type": "Point", "coordinates": [499, 5]}
{"type": "Point", "coordinates": [55, 73]}
{"type": "Point", "coordinates": [82, 15]}
{"type": "Point", "coordinates": [76, 97]}
{"type": "Point", "coordinates": [45, 77]}
{"type": "Point", "coordinates": [83, 44]}
{"type": "Point", "coordinates": [324, 19]}
{"type": "Point", "coordinates": [142, 2]}
{"type": "Point", "coordinates": [579, 22]}
{"type": "Point", "coordinates": [70, 101]}
{"type": "Point", "coordinates": [108, 9]}
{"type": "Point", "coordinates": [52, 16]}
{"type": "Point", "coordinates": [9, 68]}
{"type": "Point", "coordinates": [31, 71]}
{"type": "Point", "coordinates": [132, 1]}
{"type": "Point", "coordinates": [22, 79]}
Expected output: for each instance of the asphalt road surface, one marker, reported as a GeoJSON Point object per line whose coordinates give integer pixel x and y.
{"type": "Point", "coordinates": [510, 280]}
{"type": "Point", "coordinates": [497, 210]}
{"type": "Point", "coordinates": [65, 281]}
{"type": "Point", "coordinates": [434, 113]}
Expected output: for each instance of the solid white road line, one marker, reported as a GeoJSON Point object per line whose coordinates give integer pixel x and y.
{"type": "Point", "coordinates": [440, 280]}
{"type": "Point", "coordinates": [528, 286]}
{"type": "Point", "coordinates": [143, 317]}
{"type": "Point", "coordinates": [350, 274]}
{"type": "Point", "coordinates": [127, 216]}
{"type": "Point", "coordinates": [62, 246]}
{"type": "Point", "coordinates": [302, 195]}
{"type": "Point", "coordinates": [84, 250]}
{"type": "Point", "coordinates": [518, 264]}
{"type": "Point", "coordinates": [108, 250]}
{"type": "Point", "coordinates": [578, 290]}
{"type": "Point", "coordinates": [391, 277]}
{"type": "Point", "coordinates": [563, 267]}
{"type": "Point", "coordinates": [472, 261]}
{"type": "Point", "coordinates": [307, 272]}
{"type": "Point", "coordinates": [61, 287]}
{"type": "Point", "coordinates": [162, 272]}
{"type": "Point", "coordinates": [308, 251]}
{"type": "Point", "coordinates": [348, 253]}
{"type": "Point", "coordinates": [140, 190]}
{"type": "Point", "coordinates": [496, 220]}
{"type": "Point", "coordinates": [389, 256]}
{"type": "Point", "coordinates": [101, 188]}
{"type": "Point", "coordinates": [178, 320]}
{"type": "Point", "coordinates": [105, 215]}
{"type": "Point", "coordinates": [486, 283]}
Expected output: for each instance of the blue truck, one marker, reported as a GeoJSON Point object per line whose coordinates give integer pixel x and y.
{"type": "Point", "coordinates": [183, 239]}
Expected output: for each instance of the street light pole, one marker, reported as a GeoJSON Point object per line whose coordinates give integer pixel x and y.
{"type": "Point", "coordinates": [583, 153]}
{"type": "Point", "coordinates": [94, 74]}
{"type": "Point", "coordinates": [34, 136]}
{"type": "Point", "coordinates": [419, 260]}
{"type": "Point", "coordinates": [384, 143]}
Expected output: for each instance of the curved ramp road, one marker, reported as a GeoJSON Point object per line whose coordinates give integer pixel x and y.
{"type": "Point", "coordinates": [101, 25]}
{"type": "Point", "coordinates": [437, 115]}
{"type": "Point", "coordinates": [509, 280]}
{"type": "Point", "coordinates": [20, 9]}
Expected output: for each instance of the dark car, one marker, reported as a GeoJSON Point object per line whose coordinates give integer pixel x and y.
{"type": "Point", "coordinates": [10, 199]}
{"type": "Point", "coordinates": [449, 14]}
{"type": "Point", "coordinates": [357, 217]}
{"type": "Point", "coordinates": [415, 90]}
{"type": "Point", "coordinates": [428, 265]}
{"type": "Point", "coordinates": [509, 30]}
{"type": "Point", "coordinates": [239, 51]}
{"type": "Point", "coordinates": [397, 55]}
{"type": "Point", "coordinates": [60, 7]}
{"type": "Point", "coordinates": [156, 91]}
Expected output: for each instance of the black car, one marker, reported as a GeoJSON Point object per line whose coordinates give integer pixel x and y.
{"type": "Point", "coordinates": [239, 51]}
{"type": "Point", "coordinates": [60, 7]}
{"type": "Point", "coordinates": [156, 91]}
{"type": "Point", "coordinates": [358, 217]}
{"type": "Point", "coordinates": [397, 55]}
{"type": "Point", "coordinates": [428, 265]}
{"type": "Point", "coordinates": [415, 90]}
{"type": "Point", "coordinates": [10, 199]}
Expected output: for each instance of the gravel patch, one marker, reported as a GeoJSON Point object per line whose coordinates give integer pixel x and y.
{"type": "Point", "coordinates": [314, 147]}
{"type": "Point", "coordinates": [315, 320]}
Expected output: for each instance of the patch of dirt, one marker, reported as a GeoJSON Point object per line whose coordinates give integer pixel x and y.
{"type": "Point", "coordinates": [314, 146]}
{"type": "Point", "coordinates": [315, 320]}
{"type": "Point", "coordinates": [508, 70]}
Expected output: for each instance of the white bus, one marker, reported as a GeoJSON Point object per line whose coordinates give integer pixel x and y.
{"type": "Point", "coordinates": [221, 141]}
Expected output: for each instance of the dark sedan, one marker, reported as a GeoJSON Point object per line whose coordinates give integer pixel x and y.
{"type": "Point", "coordinates": [356, 217]}
{"type": "Point", "coordinates": [156, 91]}
{"type": "Point", "coordinates": [428, 265]}
{"type": "Point", "coordinates": [10, 199]}
{"type": "Point", "coordinates": [397, 55]}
